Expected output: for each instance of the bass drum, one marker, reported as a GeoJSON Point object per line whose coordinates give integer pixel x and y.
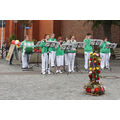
{"type": "Point", "coordinates": [28, 47]}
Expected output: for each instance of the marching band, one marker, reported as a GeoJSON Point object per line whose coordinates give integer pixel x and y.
{"type": "Point", "coordinates": [62, 52]}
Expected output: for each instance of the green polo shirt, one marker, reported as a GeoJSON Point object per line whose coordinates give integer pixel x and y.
{"type": "Point", "coordinates": [88, 47]}
{"type": "Point", "coordinates": [103, 49]}
{"type": "Point", "coordinates": [59, 51]}
{"type": "Point", "coordinates": [44, 48]}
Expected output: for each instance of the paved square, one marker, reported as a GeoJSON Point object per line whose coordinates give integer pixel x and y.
{"type": "Point", "coordinates": [31, 85]}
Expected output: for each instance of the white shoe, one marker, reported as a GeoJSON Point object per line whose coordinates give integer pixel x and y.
{"type": "Point", "coordinates": [102, 68]}
{"type": "Point", "coordinates": [57, 71]}
{"type": "Point", "coordinates": [73, 71]}
{"type": "Point", "coordinates": [43, 73]}
{"type": "Point", "coordinates": [60, 71]}
{"type": "Point", "coordinates": [49, 73]}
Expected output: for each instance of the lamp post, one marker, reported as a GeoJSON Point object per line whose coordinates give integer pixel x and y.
{"type": "Point", "coordinates": [15, 22]}
{"type": "Point", "coordinates": [2, 33]}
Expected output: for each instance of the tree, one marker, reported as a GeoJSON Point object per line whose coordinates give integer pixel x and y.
{"type": "Point", "coordinates": [107, 25]}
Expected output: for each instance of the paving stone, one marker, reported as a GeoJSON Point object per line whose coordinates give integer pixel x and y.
{"type": "Point", "coordinates": [18, 85]}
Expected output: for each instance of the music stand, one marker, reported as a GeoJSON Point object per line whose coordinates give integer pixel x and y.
{"type": "Point", "coordinates": [95, 42]}
{"type": "Point", "coordinates": [111, 46]}
{"type": "Point", "coordinates": [49, 44]}
{"type": "Point", "coordinates": [66, 46]}
{"type": "Point", "coordinates": [38, 54]}
{"type": "Point", "coordinates": [78, 45]}
{"type": "Point", "coordinates": [73, 46]}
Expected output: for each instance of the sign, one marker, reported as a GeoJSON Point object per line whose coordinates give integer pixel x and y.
{"type": "Point", "coordinates": [10, 52]}
{"type": "Point", "coordinates": [27, 28]}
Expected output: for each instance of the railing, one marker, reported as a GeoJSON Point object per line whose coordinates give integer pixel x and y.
{"type": "Point", "coordinates": [117, 53]}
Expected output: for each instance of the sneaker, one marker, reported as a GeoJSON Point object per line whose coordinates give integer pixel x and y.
{"type": "Point", "coordinates": [86, 69]}
{"type": "Point", "coordinates": [43, 73]}
{"type": "Point", "coordinates": [108, 68]}
{"type": "Point", "coordinates": [24, 68]}
{"type": "Point", "coordinates": [49, 73]}
{"type": "Point", "coordinates": [60, 71]}
{"type": "Point", "coordinates": [57, 71]}
{"type": "Point", "coordinates": [72, 71]}
{"type": "Point", "coordinates": [53, 66]}
{"type": "Point", "coordinates": [102, 68]}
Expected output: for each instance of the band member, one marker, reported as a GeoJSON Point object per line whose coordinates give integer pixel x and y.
{"type": "Point", "coordinates": [52, 51]}
{"type": "Point", "coordinates": [87, 49]}
{"type": "Point", "coordinates": [25, 56]}
{"type": "Point", "coordinates": [66, 52]}
{"type": "Point", "coordinates": [105, 54]}
{"type": "Point", "coordinates": [71, 57]}
{"type": "Point", "coordinates": [44, 55]}
{"type": "Point", "coordinates": [59, 56]}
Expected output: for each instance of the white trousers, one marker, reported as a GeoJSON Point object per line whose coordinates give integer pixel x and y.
{"type": "Point", "coordinates": [60, 60]}
{"type": "Point", "coordinates": [66, 59]}
{"type": "Point", "coordinates": [25, 60]}
{"type": "Point", "coordinates": [71, 61]}
{"type": "Point", "coordinates": [105, 57]}
{"type": "Point", "coordinates": [52, 56]}
{"type": "Point", "coordinates": [44, 62]}
{"type": "Point", "coordinates": [86, 57]}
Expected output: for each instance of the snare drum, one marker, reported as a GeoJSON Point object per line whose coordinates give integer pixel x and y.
{"type": "Point", "coordinates": [28, 47]}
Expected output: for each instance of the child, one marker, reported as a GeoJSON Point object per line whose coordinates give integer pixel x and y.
{"type": "Point", "coordinates": [59, 56]}
{"type": "Point", "coordinates": [25, 56]}
{"type": "Point", "coordinates": [44, 55]}
{"type": "Point", "coordinates": [71, 57]}
{"type": "Point", "coordinates": [104, 54]}
{"type": "Point", "coordinates": [52, 51]}
{"type": "Point", "coordinates": [87, 50]}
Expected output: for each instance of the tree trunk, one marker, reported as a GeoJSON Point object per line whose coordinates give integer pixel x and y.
{"type": "Point", "coordinates": [107, 31]}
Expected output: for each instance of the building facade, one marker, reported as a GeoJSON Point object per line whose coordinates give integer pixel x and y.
{"type": "Point", "coordinates": [59, 27]}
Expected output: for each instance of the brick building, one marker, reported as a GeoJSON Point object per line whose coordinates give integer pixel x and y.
{"type": "Point", "coordinates": [59, 27]}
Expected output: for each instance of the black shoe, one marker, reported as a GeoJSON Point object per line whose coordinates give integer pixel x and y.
{"type": "Point", "coordinates": [25, 68]}
{"type": "Point", "coordinates": [86, 70]}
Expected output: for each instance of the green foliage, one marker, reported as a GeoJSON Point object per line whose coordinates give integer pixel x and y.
{"type": "Point", "coordinates": [107, 24]}
{"type": "Point", "coordinates": [12, 37]}
{"type": "Point", "coordinates": [96, 23]}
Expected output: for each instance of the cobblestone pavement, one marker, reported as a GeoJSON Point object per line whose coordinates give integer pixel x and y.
{"type": "Point", "coordinates": [31, 85]}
